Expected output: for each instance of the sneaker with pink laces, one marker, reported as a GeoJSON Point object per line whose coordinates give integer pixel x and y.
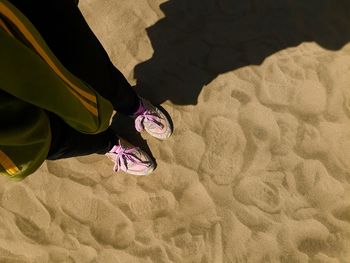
{"type": "Point", "coordinates": [150, 118]}
{"type": "Point", "coordinates": [130, 159]}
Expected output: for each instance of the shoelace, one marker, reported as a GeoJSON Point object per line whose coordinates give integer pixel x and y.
{"type": "Point", "coordinates": [149, 116]}
{"type": "Point", "coordinates": [124, 155]}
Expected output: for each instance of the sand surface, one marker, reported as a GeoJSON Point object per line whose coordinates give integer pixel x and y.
{"type": "Point", "coordinates": [258, 167]}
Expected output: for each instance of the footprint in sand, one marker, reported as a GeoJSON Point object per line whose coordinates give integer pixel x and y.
{"type": "Point", "coordinates": [225, 144]}
{"type": "Point", "coordinates": [253, 191]}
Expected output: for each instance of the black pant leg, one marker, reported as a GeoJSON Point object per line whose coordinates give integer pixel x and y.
{"type": "Point", "coordinates": [66, 32]}
{"type": "Point", "coordinates": [67, 142]}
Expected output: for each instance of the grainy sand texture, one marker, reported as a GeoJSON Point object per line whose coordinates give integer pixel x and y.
{"type": "Point", "coordinates": [258, 167]}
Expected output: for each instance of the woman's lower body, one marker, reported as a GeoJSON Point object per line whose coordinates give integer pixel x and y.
{"type": "Point", "coordinates": [66, 32]}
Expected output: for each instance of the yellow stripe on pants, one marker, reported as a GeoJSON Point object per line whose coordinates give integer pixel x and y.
{"type": "Point", "coordinates": [3, 26]}
{"type": "Point", "coordinates": [31, 39]}
{"type": "Point", "coordinates": [8, 164]}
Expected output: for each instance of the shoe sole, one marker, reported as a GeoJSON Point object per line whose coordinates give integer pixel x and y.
{"type": "Point", "coordinates": [141, 173]}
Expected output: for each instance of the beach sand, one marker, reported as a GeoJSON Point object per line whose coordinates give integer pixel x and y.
{"type": "Point", "coordinates": [258, 167]}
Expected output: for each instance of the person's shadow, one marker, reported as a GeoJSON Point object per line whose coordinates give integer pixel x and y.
{"type": "Point", "coordinates": [199, 39]}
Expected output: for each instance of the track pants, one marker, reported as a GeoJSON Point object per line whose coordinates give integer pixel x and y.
{"type": "Point", "coordinates": [64, 29]}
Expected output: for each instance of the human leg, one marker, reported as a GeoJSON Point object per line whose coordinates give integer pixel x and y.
{"type": "Point", "coordinates": [66, 32]}
{"type": "Point", "coordinates": [68, 35]}
{"type": "Point", "coordinates": [67, 142]}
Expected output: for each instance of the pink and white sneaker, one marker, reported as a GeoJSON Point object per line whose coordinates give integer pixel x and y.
{"type": "Point", "coordinates": [130, 159]}
{"type": "Point", "coordinates": [150, 118]}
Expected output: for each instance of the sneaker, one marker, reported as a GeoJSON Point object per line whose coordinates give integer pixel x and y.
{"type": "Point", "coordinates": [151, 119]}
{"type": "Point", "coordinates": [130, 159]}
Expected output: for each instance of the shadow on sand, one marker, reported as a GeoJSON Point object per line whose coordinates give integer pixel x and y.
{"type": "Point", "coordinates": [199, 39]}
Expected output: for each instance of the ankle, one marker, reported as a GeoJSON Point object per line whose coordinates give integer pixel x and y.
{"type": "Point", "coordinates": [141, 109]}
